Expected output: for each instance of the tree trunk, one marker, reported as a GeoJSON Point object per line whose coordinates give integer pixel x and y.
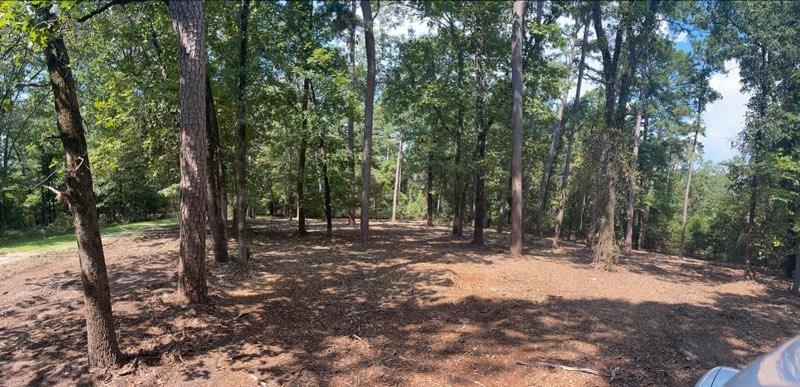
{"type": "Point", "coordinates": [351, 162]}
{"type": "Point", "coordinates": [685, 216]}
{"type": "Point", "coordinates": [187, 20]}
{"type": "Point", "coordinates": [214, 188]}
{"type": "Point", "coordinates": [301, 162]}
{"type": "Point", "coordinates": [480, 143]}
{"type": "Point", "coordinates": [429, 189]}
{"type": "Point", "coordinates": [241, 135]}
{"type": "Point", "coordinates": [518, 35]}
{"type": "Point", "coordinates": [326, 186]}
{"type": "Point", "coordinates": [796, 280]}
{"type": "Point", "coordinates": [576, 115]}
{"type": "Point", "coordinates": [102, 342]}
{"type": "Point", "coordinates": [547, 171]}
{"type": "Point", "coordinates": [397, 169]}
{"type": "Point", "coordinates": [631, 204]}
{"type": "Point", "coordinates": [369, 97]}
{"type": "Point", "coordinates": [458, 189]}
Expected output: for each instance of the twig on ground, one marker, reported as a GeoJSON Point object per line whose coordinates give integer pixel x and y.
{"type": "Point", "coordinates": [611, 375]}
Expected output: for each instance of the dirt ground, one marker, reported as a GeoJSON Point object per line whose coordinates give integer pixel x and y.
{"type": "Point", "coordinates": [414, 307]}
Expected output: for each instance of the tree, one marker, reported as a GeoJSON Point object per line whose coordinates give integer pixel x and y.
{"type": "Point", "coordinates": [369, 99]}
{"type": "Point", "coordinates": [103, 347]}
{"type": "Point", "coordinates": [480, 129]}
{"type": "Point", "coordinates": [240, 167]}
{"type": "Point", "coordinates": [301, 162]}
{"type": "Point", "coordinates": [187, 20]}
{"type": "Point", "coordinates": [517, 36]}
{"type": "Point", "coordinates": [576, 113]}
{"type": "Point", "coordinates": [215, 190]}
{"type": "Point", "coordinates": [397, 177]}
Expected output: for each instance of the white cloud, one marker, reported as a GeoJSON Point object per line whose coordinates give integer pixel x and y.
{"type": "Point", "coordinates": [725, 117]}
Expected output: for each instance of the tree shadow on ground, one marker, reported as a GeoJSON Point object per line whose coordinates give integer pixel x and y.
{"type": "Point", "coordinates": [319, 311]}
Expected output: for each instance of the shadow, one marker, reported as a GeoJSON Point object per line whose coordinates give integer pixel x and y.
{"type": "Point", "coordinates": [400, 309]}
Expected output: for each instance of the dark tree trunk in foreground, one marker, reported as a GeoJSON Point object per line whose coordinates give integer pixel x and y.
{"type": "Point", "coordinates": [214, 188]}
{"type": "Point", "coordinates": [369, 96]}
{"type": "Point", "coordinates": [576, 115]}
{"type": "Point", "coordinates": [241, 136]}
{"type": "Point", "coordinates": [429, 190]}
{"type": "Point", "coordinates": [518, 38]}
{"type": "Point", "coordinates": [301, 163]}
{"type": "Point", "coordinates": [79, 195]}
{"type": "Point", "coordinates": [397, 171]}
{"type": "Point", "coordinates": [480, 144]}
{"type": "Point", "coordinates": [351, 162]}
{"type": "Point", "coordinates": [187, 20]}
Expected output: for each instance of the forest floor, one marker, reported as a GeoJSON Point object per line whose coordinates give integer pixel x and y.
{"type": "Point", "coordinates": [415, 306]}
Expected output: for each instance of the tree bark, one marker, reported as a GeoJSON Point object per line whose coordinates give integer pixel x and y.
{"type": "Point", "coordinates": [547, 171]}
{"type": "Point", "coordinates": [458, 188]}
{"type": "Point", "coordinates": [518, 36]}
{"type": "Point", "coordinates": [429, 189]}
{"type": "Point", "coordinates": [397, 170]}
{"type": "Point", "coordinates": [576, 114]}
{"type": "Point", "coordinates": [369, 97]}
{"type": "Point", "coordinates": [187, 20]}
{"type": "Point", "coordinates": [103, 348]}
{"type": "Point", "coordinates": [480, 143]}
{"type": "Point", "coordinates": [631, 203]}
{"type": "Point", "coordinates": [301, 163]}
{"type": "Point", "coordinates": [688, 187]}
{"type": "Point", "coordinates": [241, 136]}
{"type": "Point", "coordinates": [214, 188]}
{"type": "Point", "coordinates": [326, 185]}
{"type": "Point", "coordinates": [351, 162]}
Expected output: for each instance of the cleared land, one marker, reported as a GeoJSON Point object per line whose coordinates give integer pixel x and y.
{"type": "Point", "coordinates": [413, 307]}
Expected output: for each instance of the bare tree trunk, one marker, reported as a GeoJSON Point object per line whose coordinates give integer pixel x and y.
{"type": "Point", "coordinates": [631, 204]}
{"type": "Point", "coordinates": [459, 192]}
{"type": "Point", "coordinates": [214, 188]}
{"type": "Point", "coordinates": [241, 136]}
{"type": "Point", "coordinates": [301, 162]}
{"type": "Point", "coordinates": [397, 178]}
{"type": "Point", "coordinates": [547, 172]}
{"type": "Point", "coordinates": [480, 143]}
{"type": "Point", "coordinates": [369, 97]}
{"type": "Point", "coordinates": [429, 189]}
{"type": "Point", "coordinates": [351, 162]}
{"type": "Point", "coordinates": [326, 186]}
{"type": "Point", "coordinates": [796, 278]}
{"type": "Point", "coordinates": [685, 216]}
{"type": "Point", "coordinates": [576, 114]}
{"type": "Point", "coordinates": [187, 20]}
{"type": "Point", "coordinates": [518, 36]}
{"type": "Point", "coordinates": [103, 348]}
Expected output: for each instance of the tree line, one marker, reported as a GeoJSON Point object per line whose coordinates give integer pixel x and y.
{"type": "Point", "coordinates": [567, 120]}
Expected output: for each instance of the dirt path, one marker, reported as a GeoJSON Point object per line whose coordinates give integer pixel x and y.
{"type": "Point", "coordinates": [414, 307]}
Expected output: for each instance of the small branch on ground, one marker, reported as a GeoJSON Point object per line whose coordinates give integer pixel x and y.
{"type": "Point", "coordinates": [611, 375]}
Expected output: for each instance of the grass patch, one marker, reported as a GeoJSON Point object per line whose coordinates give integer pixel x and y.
{"type": "Point", "coordinates": [59, 241]}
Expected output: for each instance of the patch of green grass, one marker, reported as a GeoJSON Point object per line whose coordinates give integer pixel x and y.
{"type": "Point", "coordinates": [59, 241]}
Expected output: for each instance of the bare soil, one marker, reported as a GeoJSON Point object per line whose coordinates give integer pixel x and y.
{"type": "Point", "coordinates": [415, 306]}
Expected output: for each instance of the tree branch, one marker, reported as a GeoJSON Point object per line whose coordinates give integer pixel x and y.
{"type": "Point", "coordinates": [102, 9]}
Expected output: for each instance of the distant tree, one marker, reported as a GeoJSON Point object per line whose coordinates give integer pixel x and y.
{"type": "Point", "coordinates": [369, 100]}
